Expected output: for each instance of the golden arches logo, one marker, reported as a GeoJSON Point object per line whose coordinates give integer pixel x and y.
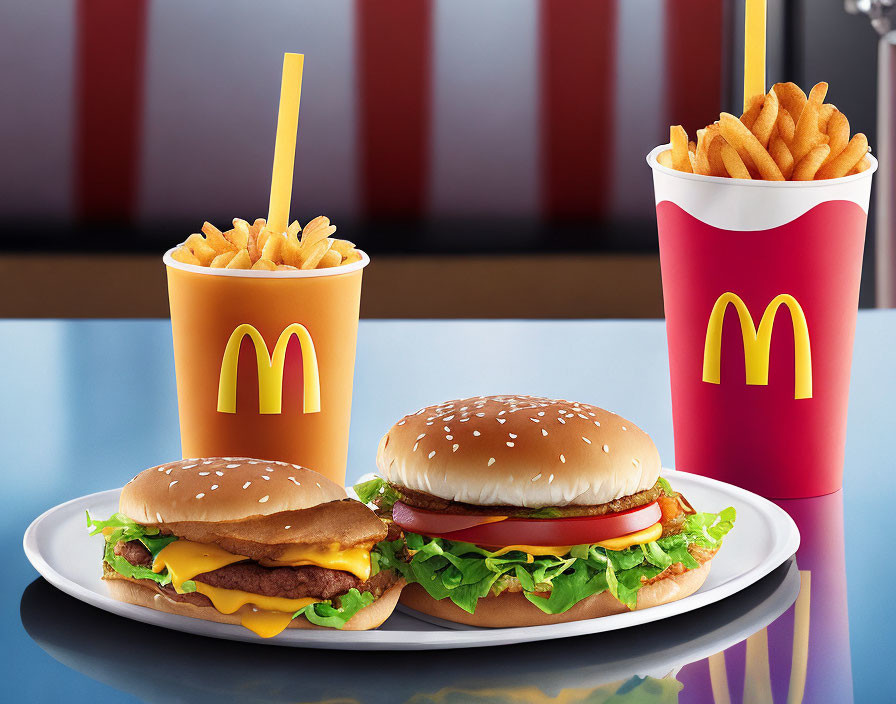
{"type": "Point", "coordinates": [757, 343]}
{"type": "Point", "coordinates": [270, 370]}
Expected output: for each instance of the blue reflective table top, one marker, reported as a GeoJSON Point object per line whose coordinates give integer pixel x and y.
{"type": "Point", "coordinates": [87, 404]}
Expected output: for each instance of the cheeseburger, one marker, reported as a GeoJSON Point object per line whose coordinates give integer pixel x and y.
{"type": "Point", "coordinates": [268, 545]}
{"type": "Point", "coordinates": [520, 511]}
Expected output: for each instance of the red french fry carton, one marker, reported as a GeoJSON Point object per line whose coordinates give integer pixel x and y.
{"type": "Point", "coordinates": [761, 288]}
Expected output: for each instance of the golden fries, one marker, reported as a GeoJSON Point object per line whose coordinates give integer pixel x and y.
{"type": "Point", "coordinates": [733, 163]}
{"type": "Point", "coordinates": [222, 260]}
{"type": "Point", "coordinates": [791, 98]}
{"type": "Point", "coordinates": [782, 136]}
{"type": "Point", "coordinates": [786, 126]}
{"type": "Point", "coordinates": [844, 162]}
{"type": "Point", "coordinates": [239, 235]}
{"type": "Point", "coordinates": [201, 249]}
{"type": "Point", "coordinates": [344, 247]}
{"type": "Point", "coordinates": [818, 93]}
{"type": "Point", "coordinates": [240, 260]}
{"type": "Point", "coordinates": [330, 259]}
{"type": "Point", "coordinates": [679, 140]}
{"type": "Point", "coordinates": [782, 156]}
{"type": "Point", "coordinates": [838, 134]}
{"type": "Point", "coordinates": [806, 136]}
{"type": "Point", "coordinates": [766, 120]}
{"type": "Point", "coordinates": [808, 166]}
{"type": "Point", "coordinates": [825, 113]}
{"type": "Point", "coordinates": [754, 107]}
{"type": "Point", "coordinates": [184, 255]}
{"type": "Point", "coordinates": [737, 135]}
{"type": "Point", "coordinates": [315, 231]}
{"type": "Point", "coordinates": [216, 238]}
{"type": "Point", "coordinates": [313, 254]}
{"type": "Point", "coordinates": [258, 248]}
{"type": "Point", "coordinates": [863, 165]}
{"type": "Point", "coordinates": [716, 163]}
{"type": "Point", "coordinates": [273, 246]}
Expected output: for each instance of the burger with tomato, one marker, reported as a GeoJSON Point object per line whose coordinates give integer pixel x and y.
{"type": "Point", "coordinates": [520, 510]}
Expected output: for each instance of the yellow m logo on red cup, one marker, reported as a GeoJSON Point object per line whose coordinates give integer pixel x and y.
{"type": "Point", "coordinates": [270, 370]}
{"type": "Point", "coordinates": [757, 344]}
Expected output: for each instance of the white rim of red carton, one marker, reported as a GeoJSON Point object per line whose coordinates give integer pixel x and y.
{"type": "Point", "coordinates": [743, 205]}
{"type": "Point", "coordinates": [340, 270]}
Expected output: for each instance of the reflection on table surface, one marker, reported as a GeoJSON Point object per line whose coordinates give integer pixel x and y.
{"type": "Point", "coordinates": [632, 665]}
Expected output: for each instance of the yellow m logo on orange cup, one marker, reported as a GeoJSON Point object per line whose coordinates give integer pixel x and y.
{"type": "Point", "coordinates": [757, 344]}
{"type": "Point", "coordinates": [270, 370]}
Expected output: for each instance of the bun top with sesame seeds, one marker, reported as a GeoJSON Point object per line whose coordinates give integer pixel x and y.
{"type": "Point", "coordinates": [523, 451]}
{"type": "Point", "coordinates": [217, 489]}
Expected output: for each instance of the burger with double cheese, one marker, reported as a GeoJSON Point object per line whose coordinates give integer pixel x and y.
{"type": "Point", "coordinates": [268, 545]}
{"type": "Point", "coordinates": [519, 510]}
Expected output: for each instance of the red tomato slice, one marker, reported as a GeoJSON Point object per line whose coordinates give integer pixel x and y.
{"type": "Point", "coordinates": [579, 530]}
{"type": "Point", "coordinates": [417, 520]}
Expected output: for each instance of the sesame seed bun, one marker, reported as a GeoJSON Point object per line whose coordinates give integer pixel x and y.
{"type": "Point", "coordinates": [214, 489]}
{"type": "Point", "coordinates": [512, 608]}
{"type": "Point", "coordinates": [519, 451]}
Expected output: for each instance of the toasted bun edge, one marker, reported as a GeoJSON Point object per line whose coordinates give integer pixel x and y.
{"type": "Point", "coordinates": [512, 609]}
{"type": "Point", "coordinates": [130, 592]}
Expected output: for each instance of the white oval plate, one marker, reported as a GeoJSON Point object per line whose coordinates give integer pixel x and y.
{"type": "Point", "coordinates": [764, 536]}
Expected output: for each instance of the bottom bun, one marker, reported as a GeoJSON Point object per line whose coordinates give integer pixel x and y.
{"type": "Point", "coordinates": [132, 592]}
{"type": "Point", "coordinates": [510, 609]}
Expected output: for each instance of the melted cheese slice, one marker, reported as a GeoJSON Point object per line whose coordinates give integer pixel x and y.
{"type": "Point", "coordinates": [271, 616]}
{"type": "Point", "coordinates": [647, 535]}
{"type": "Point", "coordinates": [185, 559]}
{"type": "Point", "coordinates": [556, 551]}
{"type": "Point", "coordinates": [267, 624]}
{"type": "Point", "coordinates": [354, 560]}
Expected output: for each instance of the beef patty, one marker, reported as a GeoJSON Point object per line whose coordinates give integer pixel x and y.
{"type": "Point", "coordinates": [428, 502]}
{"type": "Point", "coordinates": [249, 576]}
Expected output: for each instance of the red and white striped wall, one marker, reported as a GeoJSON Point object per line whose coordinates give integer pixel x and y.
{"type": "Point", "coordinates": [150, 110]}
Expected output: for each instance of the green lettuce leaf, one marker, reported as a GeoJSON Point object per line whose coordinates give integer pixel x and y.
{"type": "Point", "coordinates": [708, 529]}
{"type": "Point", "coordinates": [124, 529]}
{"type": "Point", "coordinates": [378, 489]}
{"type": "Point", "coordinates": [568, 589]}
{"type": "Point", "coordinates": [123, 567]}
{"type": "Point", "coordinates": [325, 614]}
{"type": "Point", "coordinates": [666, 487]}
{"type": "Point", "coordinates": [676, 547]}
{"type": "Point", "coordinates": [656, 556]}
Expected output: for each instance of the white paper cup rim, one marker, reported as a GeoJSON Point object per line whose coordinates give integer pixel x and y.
{"type": "Point", "coordinates": [757, 183]}
{"type": "Point", "coordinates": [262, 274]}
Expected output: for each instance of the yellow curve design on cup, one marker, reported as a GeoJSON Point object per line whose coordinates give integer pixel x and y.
{"type": "Point", "coordinates": [757, 344]}
{"type": "Point", "coordinates": [270, 370]}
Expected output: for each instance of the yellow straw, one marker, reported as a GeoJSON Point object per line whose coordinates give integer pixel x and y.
{"type": "Point", "coordinates": [754, 49]}
{"type": "Point", "coordinates": [285, 144]}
